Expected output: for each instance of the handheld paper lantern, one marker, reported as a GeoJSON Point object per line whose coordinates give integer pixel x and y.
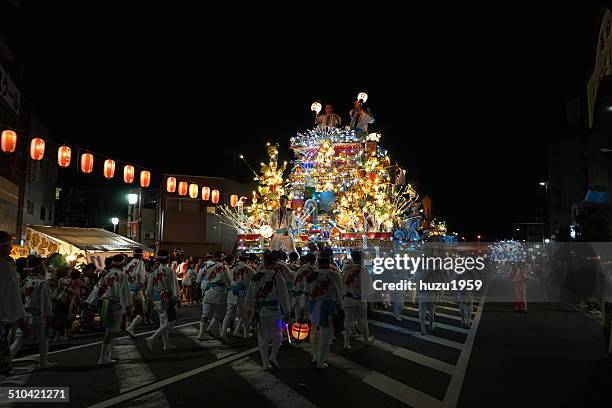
{"type": "Point", "coordinates": [109, 168]}
{"type": "Point", "coordinates": [363, 97]}
{"type": "Point", "coordinates": [128, 173]}
{"type": "Point", "coordinates": [182, 188]}
{"type": "Point", "coordinates": [205, 193]}
{"type": "Point", "coordinates": [193, 190]}
{"type": "Point", "coordinates": [64, 153]}
{"type": "Point", "coordinates": [87, 161]}
{"type": "Point", "coordinates": [266, 231]}
{"type": "Point", "coordinates": [300, 330]}
{"type": "Point", "coordinates": [316, 107]}
{"type": "Point", "coordinates": [145, 178]}
{"type": "Point", "coordinates": [233, 200]}
{"type": "Point", "coordinates": [37, 149]}
{"type": "Point", "coordinates": [9, 141]}
{"type": "Point", "coordinates": [171, 184]}
{"type": "Point", "coordinates": [215, 196]}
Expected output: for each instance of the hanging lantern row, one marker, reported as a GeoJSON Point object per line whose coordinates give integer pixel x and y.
{"type": "Point", "coordinates": [64, 154]}
{"type": "Point", "coordinates": [183, 188]}
{"type": "Point", "coordinates": [9, 141]}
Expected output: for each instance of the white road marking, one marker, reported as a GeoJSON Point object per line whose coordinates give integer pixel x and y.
{"type": "Point", "coordinates": [414, 309]}
{"type": "Point", "coordinates": [213, 346]}
{"type": "Point", "coordinates": [416, 357]}
{"type": "Point", "coordinates": [440, 325]}
{"type": "Point", "coordinates": [428, 337]}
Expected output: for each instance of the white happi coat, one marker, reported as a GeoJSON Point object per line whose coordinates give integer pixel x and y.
{"type": "Point", "coordinates": [299, 285]}
{"type": "Point", "coordinates": [112, 286]}
{"type": "Point", "coordinates": [37, 296]}
{"type": "Point", "coordinates": [323, 285]}
{"type": "Point", "coordinates": [267, 286]}
{"type": "Point", "coordinates": [353, 285]}
{"type": "Point", "coordinates": [162, 282]}
{"type": "Point", "coordinates": [11, 307]}
{"type": "Point", "coordinates": [241, 276]}
{"type": "Point", "coordinates": [218, 282]}
{"type": "Point", "coordinates": [282, 223]}
{"type": "Point", "coordinates": [136, 275]}
{"type": "Point", "coordinates": [287, 274]}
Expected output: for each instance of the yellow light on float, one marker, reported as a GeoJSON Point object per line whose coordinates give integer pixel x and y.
{"type": "Point", "coordinates": [64, 153]}
{"type": "Point", "coordinates": [171, 184]}
{"type": "Point", "coordinates": [193, 190]}
{"type": "Point", "coordinates": [233, 200]}
{"type": "Point", "coordinates": [362, 97]}
{"type": "Point", "coordinates": [37, 149]}
{"type": "Point", "coordinates": [9, 141]}
{"type": "Point", "coordinates": [205, 193]}
{"type": "Point", "coordinates": [316, 107]}
{"type": "Point", "coordinates": [109, 168]}
{"type": "Point", "coordinates": [214, 196]}
{"type": "Point", "coordinates": [145, 178]}
{"type": "Point", "coordinates": [182, 188]}
{"type": "Point", "coordinates": [300, 331]}
{"type": "Point", "coordinates": [87, 161]}
{"type": "Point", "coordinates": [128, 173]}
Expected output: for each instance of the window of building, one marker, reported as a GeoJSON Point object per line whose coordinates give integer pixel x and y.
{"type": "Point", "coordinates": [58, 192]}
{"type": "Point", "coordinates": [43, 213]}
{"type": "Point", "coordinates": [30, 207]}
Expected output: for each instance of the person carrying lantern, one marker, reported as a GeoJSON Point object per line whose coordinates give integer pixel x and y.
{"type": "Point", "coordinates": [215, 296]}
{"type": "Point", "coordinates": [360, 118]}
{"type": "Point", "coordinates": [324, 293]}
{"type": "Point", "coordinates": [112, 289]}
{"type": "Point", "coordinates": [240, 276]}
{"type": "Point", "coordinates": [267, 303]}
{"type": "Point", "coordinates": [38, 307]}
{"type": "Point", "coordinates": [282, 221]}
{"type": "Point", "coordinates": [162, 287]}
{"type": "Point", "coordinates": [519, 275]}
{"type": "Point", "coordinates": [136, 275]}
{"type": "Point", "coordinates": [329, 118]}
{"type": "Point", "coordinates": [354, 282]}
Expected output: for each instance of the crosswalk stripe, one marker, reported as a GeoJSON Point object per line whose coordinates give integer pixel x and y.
{"type": "Point", "coordinates": [416, 357]}
{"type": "Point", "coordinates": [215, 347]}
{"type": "Point", "coordinates": [440, 325]}
{"type": "Point", "coordinates": [428, 337]}
{"type": "Point", "coordinates": [413, 309]}
{"type": "Point", "coordinates": [132, 373]}
{"type": "Point", "coordinates": [454, 309]}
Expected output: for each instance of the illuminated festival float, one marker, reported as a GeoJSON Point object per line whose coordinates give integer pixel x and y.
{"type": "Point", "coordinates": [342, 188]}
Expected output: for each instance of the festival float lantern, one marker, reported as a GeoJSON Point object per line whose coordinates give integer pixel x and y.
{"type": "Point", "coordinates": [9, 141]}
{"type": "Point", "coordinates": [205, 193]}
{"type": "Point", "coordinates": [300, 331]}
{"type": "Point", "coordinates": [109, 168]}
{"type": "Point", "coordinates": [233, 200]}
{"type": "Point", "coordinates": [215, 196]}
{"type": "Point", "coordinates": [316, 107]}
{"type": "Point", "coordinates": [362, 97]}
{"type": "Point", "coordinates": [87, 161]}
{"type": "Point", "coordinates": [128, 173]}
{"type": "Point", "coordinates": [64, 153]}
{"type": "Point", "coordinates": [193, 190]}
{"type": "Point", "coordinates": [171, 184]}
{"type": "Point", "coordinates": [182, 188]}
{"type": "Point", "coordinates": [37, 149]}
{"type": "Point", "coordinates": [145, 178]}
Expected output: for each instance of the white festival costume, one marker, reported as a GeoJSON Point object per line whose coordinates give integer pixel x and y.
{"type": "Point", "coordinates": [282, 222]}
{"type": "Point", "coordinates": [136, 275]}
{"type": "Point", "coordinates": [215, 297]}
{"type": "Point", "coordinates": [163, 288]}
{"type": "Point", "coordinates": [241, 276]}
{"type": "Point", "coordinates": [355, 301]}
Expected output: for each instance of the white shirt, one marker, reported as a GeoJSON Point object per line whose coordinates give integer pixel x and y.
{"type": "Point", "coordinates": [37, 296]}
{"type": "Point", "coordinates": [331, 120]}
{"type": "Point", "coordinates": [361, 120]}
{"type": "Point", "coordinates": [352, 286]}
{"type": "Point", "coordinates": [218, 281]}
{"type": "Point", "coordinates": [267, 286]}
{"type": "Point", "coordinates": [241, 276]}
{"type": "Point", "coordinates": [280, 220]}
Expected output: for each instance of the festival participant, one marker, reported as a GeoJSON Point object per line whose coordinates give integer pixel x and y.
{"type": "Point", "coordinates": [282, 268]}
{"type": "Point", "coordinates": [282, 221]}
{"type": "Point", "coordinates": [428, 299]}
{"type": "Point", "coordinates": [360, 118]}
{"type": "Point", "coordinates": [329, 118]}
{"type": "Point", "coordinates": [188, 282]}
{"type": "Point", "coordinates": [294, 262]}
{"type": "Point", "coordinates": [151, 266]}
{"type": "Point", "coordinates": [240, 275]}
{"type": "Point", "coordinates": [201, 278]}
{"type": "Point", "coordinates": [355, 299]}
{"type": "Point", "coordinates": [215, 296]}
{"type": "Point", "coordinates": [162, 287]}
{"type": "Point", "coordinates": [38, 307]}
{"type": "Point", "coordinates": [112, 290]}
{"type": "Point", "coordinates": [136, 275]}
{"type": "Point", "coordinates": [299, 301]}
{"type": "Point", "coordinates": [519, 275]}
{"type": "Point", "coordinates": [324, 293]}
{"type": "Point", "coordinates": [267, 302]}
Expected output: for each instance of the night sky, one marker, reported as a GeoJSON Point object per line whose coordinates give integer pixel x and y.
{"type": "Point", "coordinates": [466, 96]}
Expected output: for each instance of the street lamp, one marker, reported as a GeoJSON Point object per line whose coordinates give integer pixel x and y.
{"type": "Point", "coordinates": [132, 198]}
{"type": "Point", "coordinates": [115, 222]}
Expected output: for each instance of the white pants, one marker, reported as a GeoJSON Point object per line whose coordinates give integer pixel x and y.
{"type": "Point", "coordinates": [38, 329]}
{"type": "Point", "coordinates": [427, 305]}
{"type": "Point", "coordinates": [285, 242]}
{"type": "Point", "coordinates": [210, 310]}
{"type": "Point", "coordinates": [356, 314]}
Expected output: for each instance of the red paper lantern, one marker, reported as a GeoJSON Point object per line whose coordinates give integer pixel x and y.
{"type": "Point", "coordinates": [128, 173]}
{"type": "Point", "coordinates": [193, 190]}
{"type": "Point", "coordinates": [171, 184]}
{"type": "Point", "coordinates": [9, 141]}
{"type": "Point", "coordinates": [233, 200]}
{"type": "Point", "coordinates": [182, 188]}
{"type": "Point", "coordinates": [87, 161]}
{"type": "Point", "coordinates": [300, 330]}
{"type": "Point", "coordinates": [64, 153]}
{"type": "Point", "coordinates": [215, 196]}
{"type": "Point", "coordinates": [37, 149]}
{"type": "Point", "coordinates": [145, 178]}
{"type": "Point", "coordinates": [205, 193]}
{"type": "Point", "coordinates": [109, 168]}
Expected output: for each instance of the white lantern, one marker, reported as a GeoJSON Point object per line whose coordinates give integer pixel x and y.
{"type": "Point", "coordinates": [266, 231]}
{"type": "Point", "coordinates": [316, 107]}
{"type": "Point", "coordinates": [363, 97]}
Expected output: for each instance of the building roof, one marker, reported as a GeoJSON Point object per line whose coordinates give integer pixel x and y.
{"type": "Point", "coordinates": [90, 239]}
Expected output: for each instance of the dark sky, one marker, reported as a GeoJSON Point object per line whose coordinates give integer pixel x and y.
{"type": "Point", "coordinates": [466, 95]}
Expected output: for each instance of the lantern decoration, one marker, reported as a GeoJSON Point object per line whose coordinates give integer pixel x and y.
{"type": "Point", "coordinates": [37, 149]}
{"type": "Point", "coordinates": [9, 141]}
{"type": "Point", "coordinates": [109, 168]}
{"type": "Point", "coordinates": [205, 193]}
{"type": "Point", "coordinates": [362, 97]}
{"type": "Point", "coordinates": [316, 107]}
{"type": "Point", "coordinates": [64, 153]}
{"type": "Point", "coordinates": [193, 190]}
{"type": "Point", "coordinates": [182, 188]}
{"type": "Point", "coordinates": [300, 330]}
{"type": "Point", "coordinates": [128, 173]}
{"type": "Point", "coordinates": [145, 178]}
{"type": "Point", "coordinates": [171, 184]}
{"type": "Point", "coordinates": [214, 196]}
{"type": "Point", "coordinates": [233, 200]}
{"type": "Point", "coordinates": [87, 161]}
